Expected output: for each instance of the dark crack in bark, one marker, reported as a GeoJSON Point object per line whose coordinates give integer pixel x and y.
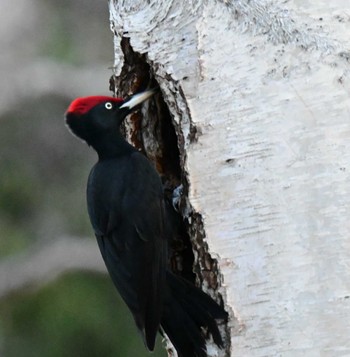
{"type": "Point", "coordinates": [162, 139]}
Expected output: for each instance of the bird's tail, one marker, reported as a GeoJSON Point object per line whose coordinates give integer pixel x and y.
{"type": "Point", "coordinates": [186, 310]}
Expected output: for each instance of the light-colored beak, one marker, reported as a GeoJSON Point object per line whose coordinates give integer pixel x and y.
{"type": "Point", "coordinates": [138, 99]}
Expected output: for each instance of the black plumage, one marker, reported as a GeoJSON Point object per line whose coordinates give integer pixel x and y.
{"type": "Point", "coordinates": [127, 211]}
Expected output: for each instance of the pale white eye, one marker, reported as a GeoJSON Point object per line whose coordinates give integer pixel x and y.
{"type": "Point", "coordinates": [108, 105]}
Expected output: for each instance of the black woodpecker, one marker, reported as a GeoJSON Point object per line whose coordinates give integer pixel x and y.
{"type": "Point", "coordinates": [127, 211]}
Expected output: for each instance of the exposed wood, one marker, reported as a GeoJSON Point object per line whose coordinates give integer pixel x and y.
{"type": "Point", "coordinates": [266, 85]}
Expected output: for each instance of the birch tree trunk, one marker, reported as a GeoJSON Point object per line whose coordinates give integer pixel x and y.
{"type": "Point", "coordinates": [258, 93]}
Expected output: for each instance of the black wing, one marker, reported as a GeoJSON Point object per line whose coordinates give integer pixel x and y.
{"type": "Point", "coordinates": [126, 208]}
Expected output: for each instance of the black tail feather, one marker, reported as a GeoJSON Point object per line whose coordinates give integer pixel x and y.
{"type": "Point", "coordinates": [182, 331]}
{"type": "Point", "coordinates": [187, 310]}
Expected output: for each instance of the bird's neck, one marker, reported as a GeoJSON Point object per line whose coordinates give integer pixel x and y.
{"type": "Point", "coordinates": [111, 146]}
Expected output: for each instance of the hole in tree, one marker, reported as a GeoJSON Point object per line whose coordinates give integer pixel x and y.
{"type": "Point", "coordinates": [156, 137]}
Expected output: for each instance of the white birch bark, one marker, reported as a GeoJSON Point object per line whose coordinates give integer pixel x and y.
{"type": "Point", "coordinates": [267, 85]}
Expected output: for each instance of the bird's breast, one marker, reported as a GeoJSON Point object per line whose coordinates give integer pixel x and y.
{"type": "Point", "coordinates": [105, 190]}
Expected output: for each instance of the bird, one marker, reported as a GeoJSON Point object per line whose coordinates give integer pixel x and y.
{"type": "Point", "coordinates": [128, 214]}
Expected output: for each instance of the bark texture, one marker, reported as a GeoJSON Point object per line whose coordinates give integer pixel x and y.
{"type": "Point", "coordinates": [258, 92]}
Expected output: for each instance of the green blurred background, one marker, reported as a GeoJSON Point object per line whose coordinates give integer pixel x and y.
{"type": "Point", "coordinates": [51, 52]}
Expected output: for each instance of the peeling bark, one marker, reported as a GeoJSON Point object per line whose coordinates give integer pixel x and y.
{"type": "Point", "coordinates": [257, 93]}
{"type": "Point", "coordinates": [162, 140]}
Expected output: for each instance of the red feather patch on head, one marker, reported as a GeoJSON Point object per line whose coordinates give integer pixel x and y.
{"type": "Point", "coordinates": [83, 105]}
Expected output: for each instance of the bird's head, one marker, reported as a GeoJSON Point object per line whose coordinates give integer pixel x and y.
{"type": "Point", "coordinates": [91, 118]}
